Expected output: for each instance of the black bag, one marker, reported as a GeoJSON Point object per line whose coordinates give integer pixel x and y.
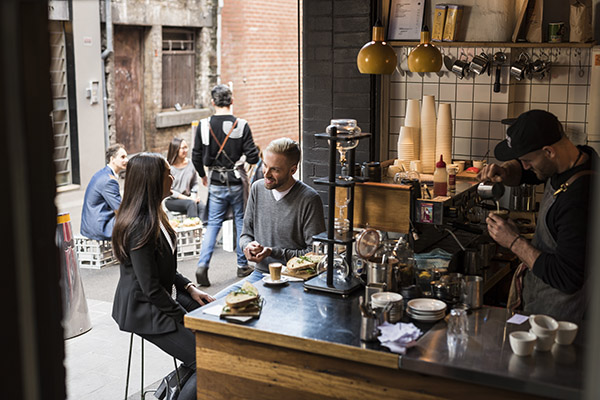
{"type": "Point", "coordinates": [170, 386]}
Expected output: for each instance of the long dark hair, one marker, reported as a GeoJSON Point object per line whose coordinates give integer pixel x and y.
{"type": "Point", "coordinates": [174, 150]}
{"type": "Point", "coordinates": [140, 214]}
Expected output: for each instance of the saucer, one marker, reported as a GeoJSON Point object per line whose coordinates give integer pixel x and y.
{"type": "Point", "coordinates": [268, 281]}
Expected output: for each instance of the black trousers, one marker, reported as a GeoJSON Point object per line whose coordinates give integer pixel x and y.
{"type": "Point", "coordinates": [180, 344]}
{"type": "Point", "coordinates": [185, 206]}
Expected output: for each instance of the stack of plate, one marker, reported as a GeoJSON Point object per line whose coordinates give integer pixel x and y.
{"type": "Point", "coordinates": [413, 120]}
{"type": "Point", "coordinates": [426, 310]}
{"type": "Point", "coordinates": [443, 140]}
{"type": "Point", "coordinates": [428, 134]}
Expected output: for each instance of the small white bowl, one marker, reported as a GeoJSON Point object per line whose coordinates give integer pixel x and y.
{"type": "Point", "coordinates": [522, 342]}
{"type": "Point", "coordinates": [567, 331]}
{"type": "Point", "coordinates": [544, 342]}
{"type": "Point", "coordinates": [543, 325]}
{"type": "Point", "coordinates": [382, 299]}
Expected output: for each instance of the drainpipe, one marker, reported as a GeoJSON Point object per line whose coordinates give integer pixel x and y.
{"type": "Point", "coordinates": [107, 52]}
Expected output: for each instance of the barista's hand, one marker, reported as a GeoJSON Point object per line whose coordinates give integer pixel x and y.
{"type": "Point", "coordinates": [492, 172]}
{"type": "Point", "coordinates": [502, 231]}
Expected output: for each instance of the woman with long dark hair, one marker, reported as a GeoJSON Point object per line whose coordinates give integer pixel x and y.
{"type": "Point", "coordinates": [184, 198]}
{"type": "Point", "coordinates": [152, 297]}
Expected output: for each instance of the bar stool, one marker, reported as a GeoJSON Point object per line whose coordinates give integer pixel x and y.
{"type": "Point", "coordinates": [142, 392]}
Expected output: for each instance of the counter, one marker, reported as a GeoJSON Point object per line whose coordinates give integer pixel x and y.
{"type": "Point", "coordinates": [306, 345]}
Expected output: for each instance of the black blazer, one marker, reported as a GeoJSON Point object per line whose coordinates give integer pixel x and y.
{"type": "Point", "coordinates": [143, 302]}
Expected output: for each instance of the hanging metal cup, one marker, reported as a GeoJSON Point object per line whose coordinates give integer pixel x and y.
{"type": "Point", "coordinates": [479, 64]}
{"type": "Point", "coordinates": [460, 68]}
{"type": "Point", "coordinates": [519, 68]}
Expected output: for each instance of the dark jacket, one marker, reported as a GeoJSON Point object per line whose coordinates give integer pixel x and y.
{"type": "Point", "coordinates": [143, 302]}
{"type": "Point", "coordinates": [206, 148]}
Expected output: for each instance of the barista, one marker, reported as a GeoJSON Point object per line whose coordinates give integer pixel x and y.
{"type": "Point", "coordinates": [552, 276]}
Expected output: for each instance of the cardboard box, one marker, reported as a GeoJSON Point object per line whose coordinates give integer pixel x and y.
{"type": "Point", "coordinates": [452, 25]}
{"type": "Point", "coordinates": [439, 20]}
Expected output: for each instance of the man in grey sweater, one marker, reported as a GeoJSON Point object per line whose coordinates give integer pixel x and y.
{"type": "Point", "coordinates": [282, 214]}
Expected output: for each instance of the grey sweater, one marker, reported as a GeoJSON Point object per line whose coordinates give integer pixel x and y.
{"type": "Point", "coordinates": [185, 180]}
{"type": "Point", "coordinates": [287, 225]}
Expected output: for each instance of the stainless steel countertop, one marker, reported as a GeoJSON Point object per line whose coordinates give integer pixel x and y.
{"type": "Point", "coordinates": [486, 358]}
{"type": "Point", "coordinates": [327, 321]}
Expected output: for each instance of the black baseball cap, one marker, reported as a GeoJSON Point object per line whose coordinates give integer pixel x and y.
{"type": "Point", "coordinates": [530, 132]}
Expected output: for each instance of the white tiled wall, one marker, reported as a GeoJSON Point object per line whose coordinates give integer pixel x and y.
{"type": "Point", "coordinates": [477, 110]}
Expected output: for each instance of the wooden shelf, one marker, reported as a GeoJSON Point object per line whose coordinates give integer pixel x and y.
{"type": "Point", "coordinates": [396, 43]}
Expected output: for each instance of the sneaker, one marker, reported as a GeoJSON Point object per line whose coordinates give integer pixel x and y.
{"type": "Point", "coordinates": [202, 276]}
{"type": "Point", "coordinates": [243, 271]}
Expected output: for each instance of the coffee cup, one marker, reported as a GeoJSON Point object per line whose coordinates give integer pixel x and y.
{"type": "Point", "coordinates": [275, 271]}
{"type": "Point", "coordinates": [522, 343]}
{"type": "Point", "coordinates": [543, 342]}
{"type": "Point", "coordinates": [461, 165]}
{"type": "Point", "coordinates": [479, 164]}
{"type": "Point", "coordinates": [501, 213]}
{"type": "Point", "coordinates": [543, 325]}
{"type": "Point", "coordinates": [566, 332]}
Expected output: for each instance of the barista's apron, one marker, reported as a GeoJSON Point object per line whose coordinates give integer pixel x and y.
{"type": "Point", "coordinates": [539, 297]}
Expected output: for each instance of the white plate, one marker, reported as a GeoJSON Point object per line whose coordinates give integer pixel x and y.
{"type": "Point", "coordinates": [267, 280]}
{"type": "Point", "coordinates": [426, 314]}
{"type": "Point", "coordinates": [423, 304]}
{"type": "Point", "coordinates": [425, 318]}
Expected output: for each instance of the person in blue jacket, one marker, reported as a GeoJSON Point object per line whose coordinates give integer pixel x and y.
{"type": "Point", "coordinates": [102, 197]}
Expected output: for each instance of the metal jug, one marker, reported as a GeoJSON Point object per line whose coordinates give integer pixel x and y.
{"type": "Point", "coordinates": [490, 190]}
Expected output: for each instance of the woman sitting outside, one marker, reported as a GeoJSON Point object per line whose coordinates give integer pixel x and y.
{"type": "Point", "coordinates": [185, 181]}
{"type": "Point", "coordinates": [152, 297]}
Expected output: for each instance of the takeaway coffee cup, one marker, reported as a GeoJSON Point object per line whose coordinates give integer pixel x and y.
{"type": "Point", "coordinates": [275, 271]}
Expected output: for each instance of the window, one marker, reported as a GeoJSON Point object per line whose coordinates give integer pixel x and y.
{"type": "Point", "coordinates": [179, 67]}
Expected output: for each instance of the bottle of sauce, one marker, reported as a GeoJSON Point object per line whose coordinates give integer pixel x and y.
{"type": "Point", "coordinates": [440, 178]}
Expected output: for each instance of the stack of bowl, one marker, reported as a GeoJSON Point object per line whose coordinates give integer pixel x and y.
{"type": "Point", "coordinates": [391, 303]}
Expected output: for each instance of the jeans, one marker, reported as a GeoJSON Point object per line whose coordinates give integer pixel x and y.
{"type": "Point", "coordinates": [219, 200]}
{"type": "Point", "coordinates": [255, 276]}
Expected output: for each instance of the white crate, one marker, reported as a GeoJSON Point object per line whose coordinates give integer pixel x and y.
{"type": "Point", "coordinates": [189, 241]}
{"type": "Point", "coordinates": [94, 254]}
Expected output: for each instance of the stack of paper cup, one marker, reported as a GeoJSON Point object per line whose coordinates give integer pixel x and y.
{"type": "Point", "coordinates": [428, 134]}
{"type": "Point", "coordinates": [443, 140]}
{"type": "Point", "coordinates": [413, 120]}
{"type": "Point", "coordinates": [406, 147]}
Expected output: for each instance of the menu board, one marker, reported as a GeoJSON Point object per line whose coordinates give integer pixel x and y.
{"type": "Point", "coordinates": [405, 19]}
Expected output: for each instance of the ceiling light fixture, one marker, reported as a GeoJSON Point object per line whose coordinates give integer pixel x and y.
{"type": "Point", "coordinates": [425, 57]}
{"type": "Point", "coordinates": [377, 56]}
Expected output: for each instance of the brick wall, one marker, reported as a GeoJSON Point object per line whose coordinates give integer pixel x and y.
{"type": "Point", "coordinates": [259, 45]}
{"type": "Point", "coordinates": [332, 86]}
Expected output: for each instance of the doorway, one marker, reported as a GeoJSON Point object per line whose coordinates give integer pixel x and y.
{"type": "Point", "coordinates": [129, 94]}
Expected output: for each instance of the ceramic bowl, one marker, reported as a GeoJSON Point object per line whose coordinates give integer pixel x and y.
{"type": "Point", "coordinates": [567, 331]}
{"type": "Point", "coordinates": [522, 343]}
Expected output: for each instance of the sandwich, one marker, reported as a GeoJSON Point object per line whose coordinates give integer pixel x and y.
{"type": "Point", "coordinates": [303, 266]}
{"type": "Point", "coordinates": [245, 300]}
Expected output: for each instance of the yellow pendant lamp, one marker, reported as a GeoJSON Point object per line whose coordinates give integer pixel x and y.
{"type": "Point", "coordinates": [377, 56]}
{"type": "Point", "coordinates": [425, 57]}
